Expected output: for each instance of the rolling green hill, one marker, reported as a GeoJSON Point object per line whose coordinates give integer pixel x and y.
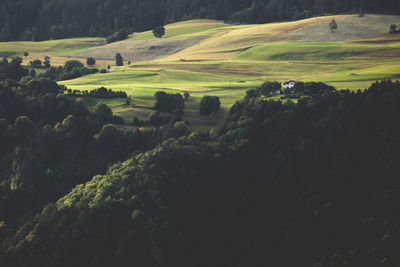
{"type": "Point", "coordinates": [226, 60]}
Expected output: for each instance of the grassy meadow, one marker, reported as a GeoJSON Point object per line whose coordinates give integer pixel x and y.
{"type": "Point", "coordinates": [142, 84]}
{"type": "Point", "coordinates": [229, 60]}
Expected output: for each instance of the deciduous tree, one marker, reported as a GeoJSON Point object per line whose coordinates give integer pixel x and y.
{"type": "Point", "coordinates": [159, 31]}
{"type": "Point", "coordinates": [118, 60]}
{"type": "Point", "coordinates": [90, 61]}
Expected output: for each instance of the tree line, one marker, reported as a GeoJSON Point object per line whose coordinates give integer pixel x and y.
{"type": "Point", "coordinates": [53, 19]}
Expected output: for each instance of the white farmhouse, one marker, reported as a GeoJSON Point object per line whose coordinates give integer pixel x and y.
{"type": "Point", "coordinates": [289, 84]}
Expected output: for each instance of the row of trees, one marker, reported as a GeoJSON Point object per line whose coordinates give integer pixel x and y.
{"type": "Point", "coordinates": [37, 63]}
{"type": "Point", "coordinates": [101, 92]}
{"type": "Point", "coordinates": [45, 19]}
{"type": "Point", "coordinates": [72, 69]}
{"type": "Point", "coordinates": [300, 89]}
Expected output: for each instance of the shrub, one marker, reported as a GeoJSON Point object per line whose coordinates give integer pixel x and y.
{"type": "Point", "coordinates": [90, 61]}
{"type": "Point", "coordinates": [393, 29]}
{"type": "Point", "coordinates": [186, 95]}
{"type": "Point", "coordinates": [333, 25]}
{"type": "Point", "coordinates": [209, 104]}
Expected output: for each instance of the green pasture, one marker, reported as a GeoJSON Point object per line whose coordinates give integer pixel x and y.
{"type": "Point", "coordinates": [346, 65]}
{"type": "Point", "coordinates": [141, 85]}
{"type": "Point", "coordinates": [322, 51]}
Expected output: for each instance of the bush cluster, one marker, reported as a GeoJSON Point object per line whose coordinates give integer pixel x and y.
{"type": "Point", "coordinates": [168, 102]}
{"type": "Point", "coordinates": [72, 69]}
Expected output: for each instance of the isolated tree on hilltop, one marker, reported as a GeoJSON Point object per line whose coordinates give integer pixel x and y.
{"type": "Point", "coordinates": [159, 31]}
{"type": "Point", "coordinates": [118, 60]}
{"type": "Point", "coordinates": [333, 25]}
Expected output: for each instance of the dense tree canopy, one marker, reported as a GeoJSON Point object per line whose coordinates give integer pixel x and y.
{"type": "Point", "coordinates": [12, 70]}
{"type": "Point", "coordinates": [308, 184]}
{"type": "Point", "coordinates": [45, 19]}
{"type": "Point", "coordinates": [51, 142]}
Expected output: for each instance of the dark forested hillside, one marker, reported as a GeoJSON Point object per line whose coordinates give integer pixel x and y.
{"type": "Point", "coordinates": [44, 19]}
{"type": "Point", "coordinates": [308, 184]}
{"type": "Point", "coordinates": [50, 142]}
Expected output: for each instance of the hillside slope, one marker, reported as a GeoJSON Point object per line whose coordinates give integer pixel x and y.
{"type": "Point", "coordinates": [230, 41]}
{"type": "Point", "coordinates": [313, 184]}
{"type": "Point", "coordinates": [349, 29]}
{"type": "Point", "coordinates": [212, 40]}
